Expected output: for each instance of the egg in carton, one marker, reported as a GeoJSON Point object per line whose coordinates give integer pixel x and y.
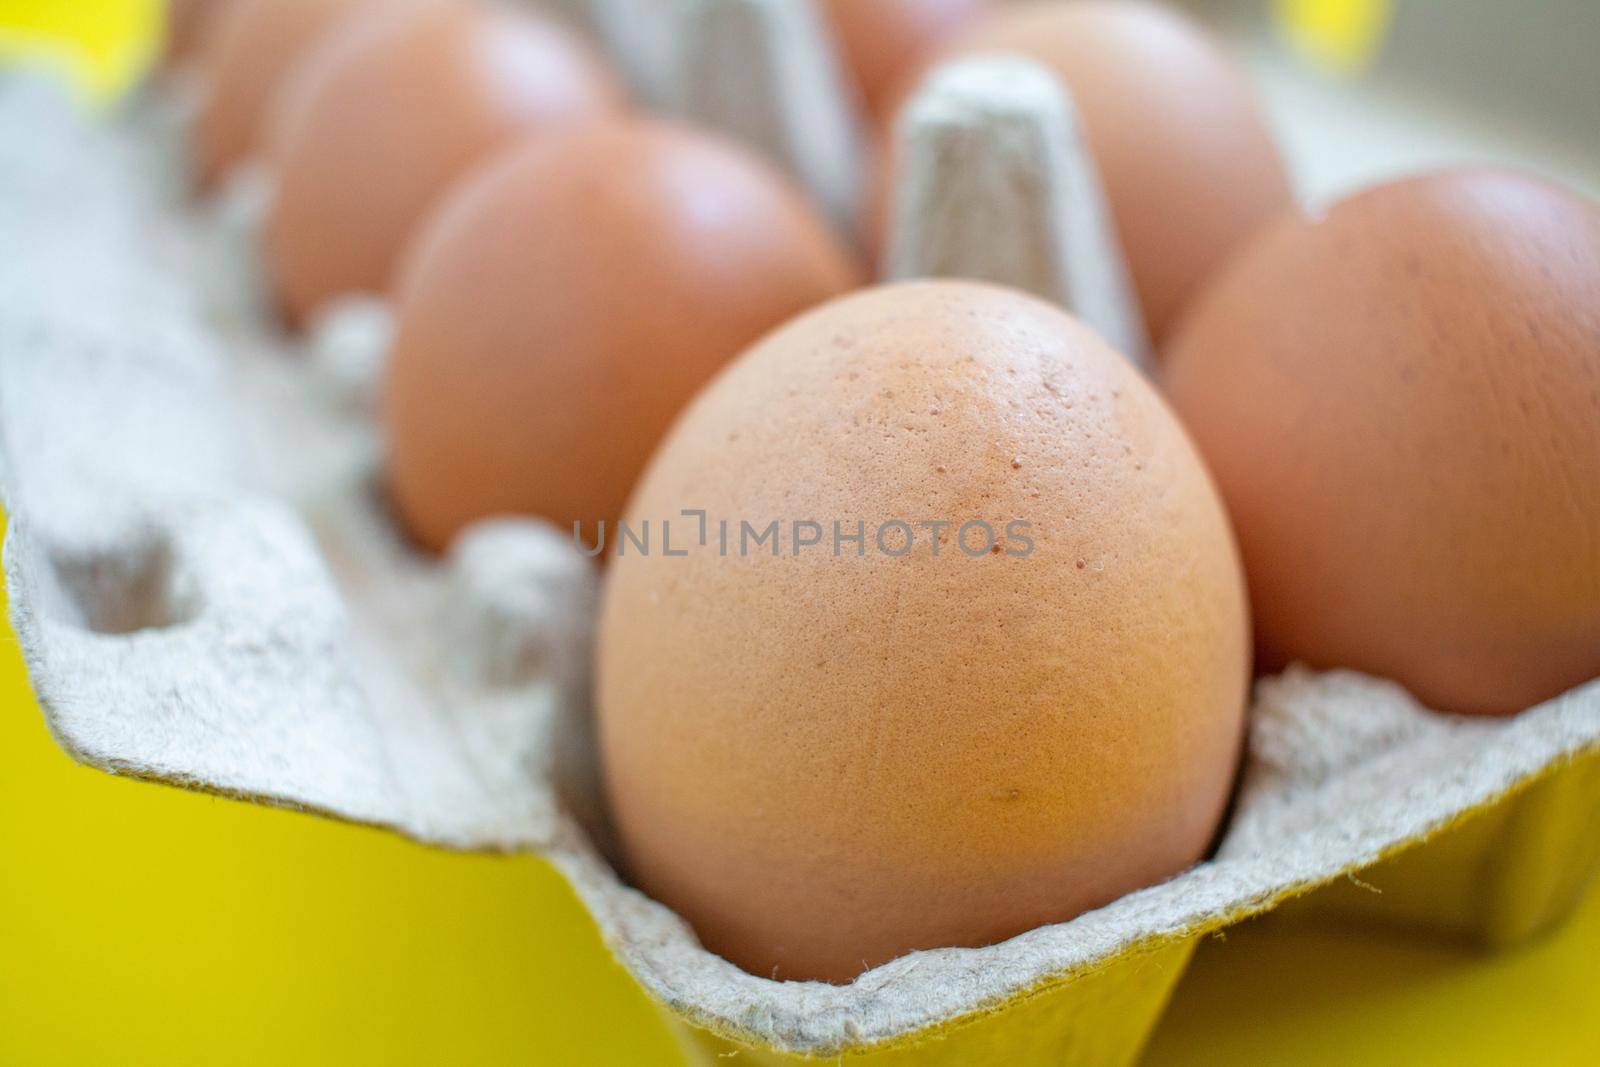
{"type": "Point", "coordinates": [209, 590]}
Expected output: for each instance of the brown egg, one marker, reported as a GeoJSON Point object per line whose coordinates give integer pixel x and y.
{"type": "Point", "coordinates": [187, 22]}
{"type": "Point", "coordinates": [248, 51]}
{"type": "Point", "coordinates": [376, 127]}
{"type": "Point", "coordinates": [825, 758]}
{"type": "Point", "coordinates": [567, 301]}
{"type": "Point", "coordinates": [882, 41]}
{"type": "Point", "coordinates": [1401, 402]}
{"type": "Point", "coordinates": [1189, 167]}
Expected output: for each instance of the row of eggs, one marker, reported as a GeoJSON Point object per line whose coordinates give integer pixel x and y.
{"type": "Point", "coordinates": [1382, 421]}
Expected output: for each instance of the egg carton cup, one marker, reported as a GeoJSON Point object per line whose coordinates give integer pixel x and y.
{"type": "Point", "coordinates": [209, 592]}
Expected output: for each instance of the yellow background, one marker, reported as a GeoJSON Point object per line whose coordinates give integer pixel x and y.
{"type": "Point", "coordinates": [100, 44]}
{"type": "Point", "coordinates": [140, 925]}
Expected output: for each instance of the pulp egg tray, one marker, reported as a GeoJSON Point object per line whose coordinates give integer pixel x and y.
{"type": "Point", "coordinates": [209, 592]}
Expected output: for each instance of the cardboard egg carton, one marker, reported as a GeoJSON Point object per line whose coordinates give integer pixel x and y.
{"type": "Point", "coordinates": [210, 592]}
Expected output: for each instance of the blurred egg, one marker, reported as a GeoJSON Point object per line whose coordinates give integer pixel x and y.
{"type": "Point", "coordinates": [380, 122]}
{"type": "Point", "coordinates": [883, 41]}
{"type": "Point", "coordinates": [1189, 166]}
{"type": "Point", "coordinates": [248, 50]}
{"type": "Point", "coordinates": [831, 753]}
{"type": "Point", "coordinates": [567, 301]}
{"type": "Point", "coordinates": [187, 22]}
{"type": "Point", "coordinates": [1401, 402]}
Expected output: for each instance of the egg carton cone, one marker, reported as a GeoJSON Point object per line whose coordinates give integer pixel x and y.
{"type": "Point", "coordinates": [994, 181]}
{"type": "Point", "coordinates": [765, 72]}
{"type": "Point", "coordinates": [209, 591]}
{"type": "Point", "coordinates": [634, 33]}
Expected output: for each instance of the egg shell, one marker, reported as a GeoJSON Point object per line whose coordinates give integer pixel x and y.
{"type": "Point", "coordinates": [1401, 402]}
{"type": "Point", "coordinates": [568, 301]}
{"type": "Point", "coordinates": [376, 127]}
{"type": "Point", "coordinates": [249, 49]}
{"type": "Point", "coordinates": [826, 761]}
{"type": "Point", "coordinates": [883, 41]}
{"type": "Point", "coordinates": [1189, 165]}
